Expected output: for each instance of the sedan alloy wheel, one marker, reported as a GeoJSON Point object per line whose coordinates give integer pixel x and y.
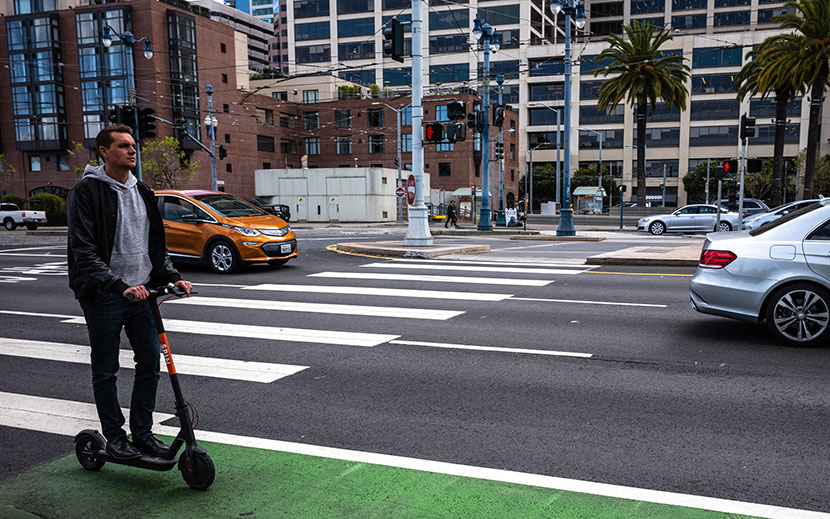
{"type": "Point", "coordinates": [799, 314]}
{"type": "Point", "coordinates": [222, 258]}
{"type": "Point", "coordinates": [657, 228]}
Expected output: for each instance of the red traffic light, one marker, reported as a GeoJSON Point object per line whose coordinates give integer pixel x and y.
{"type": "Point", "coordinates": [433, 132]}
{"type": "Point", "coordinates": [730, 167]}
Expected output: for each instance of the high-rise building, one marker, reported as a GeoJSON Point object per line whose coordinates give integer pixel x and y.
{"type": "Point", "coordinates": [346, 38]}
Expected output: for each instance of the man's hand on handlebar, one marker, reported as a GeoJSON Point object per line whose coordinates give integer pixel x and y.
{"type": "Point", "coordinates": [184, 285]}
{"type": "Point", "coordinates": [136, 293]}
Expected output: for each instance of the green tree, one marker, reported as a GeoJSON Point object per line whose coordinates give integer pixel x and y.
{"type": "Point", "coordinates": [80, 157]}
{"type": "Point", "coordinates": [821, 181]}
{"type": "Point", "coordinates": [747, 83]}
{"type": "Point", "coordinates": [53, 205]}
{"type": "Point", "coordinates": [589, 177]}
{"type": "Point", "coordinates": [694, 183]}
{"type": "Point", "coordinates": [645, 74]}
{"type": "Point", "coordinates": [164, 165]}
{"type": "Point", "coordinates": [802, 53]}
{"type": "Point", "coordinates": [6, 171]}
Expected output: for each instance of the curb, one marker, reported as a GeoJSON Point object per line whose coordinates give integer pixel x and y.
{"type": "Point", "coordinates": [402, 251]}
{"type": "Point", "coordinates": [645, 262]}
{"type": "Point", "coordinates": [558, 238]}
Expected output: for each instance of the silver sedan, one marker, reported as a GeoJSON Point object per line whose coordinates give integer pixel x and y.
{"type": "Point", "coordinates": [778, 273]}
{"type": "Point", "coordinates": [690, 218]}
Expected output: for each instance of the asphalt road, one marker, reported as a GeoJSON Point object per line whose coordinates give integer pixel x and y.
{"type": "Point", "coordinates": [668, 399]}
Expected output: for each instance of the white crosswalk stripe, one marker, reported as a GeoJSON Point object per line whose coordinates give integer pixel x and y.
{"type": "Point", "coordinates": [435, 279]}
{"type": "Point", "coordinates": [474, 268]}
{"type": "Point", "coordinates": [386, 292]}
{"type": "Point", "coordinates": [297, 306]}
{"type": "Point", "coordinates": [264, 372]}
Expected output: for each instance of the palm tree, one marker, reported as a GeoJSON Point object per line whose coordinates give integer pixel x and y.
{"type": "Point", "coordinates": [644, 75]}
{"type": "Point", "coordinates": [747, 85]}
{"type": "Point", "coordinates": [802, 55]}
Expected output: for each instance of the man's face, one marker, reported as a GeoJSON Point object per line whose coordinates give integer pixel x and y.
{"type": "Point", "coordinates": [121, 153]}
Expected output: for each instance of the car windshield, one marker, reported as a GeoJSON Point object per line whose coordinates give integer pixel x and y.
{"type": "Point", "coordinates": [230, 206]}
{"type": "Point", "coordinates": [784, 219]}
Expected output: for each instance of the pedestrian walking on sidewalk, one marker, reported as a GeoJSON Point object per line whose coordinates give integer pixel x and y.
{"type": "Point", "coordinates": [116, 246]}
{"type": "Point", "coordinates": [452, 215]}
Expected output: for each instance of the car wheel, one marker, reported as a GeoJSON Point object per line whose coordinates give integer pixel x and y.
{"type": "Point", "coordinates": [799, 314]}
{"type": "Point", "coordinates": [223, 258]}
{"type": "Point", "coordinates": [657, 228]}
{"type": "Point", "coordinates": [9, 224]}
{"type": "Point", "coordinates": [723, 227]}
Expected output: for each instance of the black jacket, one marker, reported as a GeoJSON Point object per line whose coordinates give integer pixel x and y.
{"type": "Point", "coordinates": [92, 213]}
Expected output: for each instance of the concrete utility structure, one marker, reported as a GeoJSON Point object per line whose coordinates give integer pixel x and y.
{"type": "Point", "coordinates": [333, 194]}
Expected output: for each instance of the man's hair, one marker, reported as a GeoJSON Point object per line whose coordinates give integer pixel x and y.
{"type": "Point", "coordinates": [105, 137]}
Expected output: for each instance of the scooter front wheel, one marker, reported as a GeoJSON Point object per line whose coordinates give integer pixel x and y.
{"type": "Point", "coordinates": [86, 449]}
{"type": "Point", "coordinates": [197, 470]}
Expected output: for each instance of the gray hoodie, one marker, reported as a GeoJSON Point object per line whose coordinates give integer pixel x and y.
{"type": "Point", "coordinates": [130, 257]}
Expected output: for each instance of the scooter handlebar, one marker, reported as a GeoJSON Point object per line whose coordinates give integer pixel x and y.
{"type": "Point", "coordinates": [166, 290]}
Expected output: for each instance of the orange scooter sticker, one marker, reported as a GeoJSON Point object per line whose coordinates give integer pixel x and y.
{"type": "Point", "coordinates": [165, 350]}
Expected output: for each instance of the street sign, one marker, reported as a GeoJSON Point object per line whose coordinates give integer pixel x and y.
{"type": "Point", "coordinates": [400, 192]}
{"type": "Point", "coordinates": [410, 189]}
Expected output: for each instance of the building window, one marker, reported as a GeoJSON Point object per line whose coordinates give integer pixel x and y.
{"type": "Point", "coordinates": [678, 5]}
{"type": "Point", "coordinates": [444, 169]}
{"type": "Point", "coordinates": [265, 143]}
{"type": "Point", "coordinates": [63, 162]}
{"type": "Point", "coordinates": [448, 43]}
{"type": "Point", "coordinates": [310, 8]}
{"type": "Point", "coordinates": [732, 18]}
{"type": "Point", "coordinates": [224, 78]}
{"type": "Point", "coordinates": [453, 19]}
{"type": "Point", "coordinates": [375, 118]}
{"type": "Point", "coordinates": [398, 76]}
{"type": "Point", "coordinates": [311, 120]}
{"type": "Point", "coordinates": [228, 137]}
{"type": "Point", "coordinates": [450, 73]}
{"type": "Point", "coordinates": [223, 48]}
{"type": "Point", "coordinates": [343, 119]}
{"type": "Point", "coordinates": [647, 6]}
{"type": "Point", "coordinates": [688, 21]}
{"type": "Point", "coordinates": [717, 57]}
{"type": "Point", "coordinates": [713, 83]}
{"type": "Point", "coordinates": [226, 108]}
{"type": "Point", "coordinates": [288, 147]}
{"type": "Point", "coordinates": [356, 50]}
{"type": "Point", "coordinates": [34, 163]}
{"type": "Point", "coordinates": [715, 109]}
{"type": "Point", "coordinates": [406, 116]}
{"type": "Point", "coordinates": [286, 121]}
{"type": "Point", "coordinates": [509, 14]}
{"type": "Point", "coordinates": [266, 165]}
{"type": "Point", "coordinates": [310, 96]}
{"type": "Point", "coordinates": [376, 144]}
{"type": "Point", "coordinates": [354, 6]}
{"type": "Point", "coordinates": [312, 145]}
{"type": "Point", "coordinates": [661, 137]}
{"type": "Point", "coordinates": [280, 95]}
{"type": "Point", "coordinates": [554, 67]}
{"type": "Point", "coordinates": [344, 145]}
{"type": "Point", "coordinates": [554, 91]}
{"type": "Point", "coordinates": [512, 151]}
{"type": "Point", "coordinates": [355, 27]}
{"type": "Point", "coordinates": [406, 143]}
{"type": "Point", "coordinates": [228, 168]}
{"type": "Point", "coordinates": [313, 53]}
{"type": "Point", "coordinates": [312, 31]}
{"type": "Point", "coordinates": [713, 136]}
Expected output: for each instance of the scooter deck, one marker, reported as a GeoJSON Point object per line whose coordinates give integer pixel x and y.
{"type": "Point", "coordinates": [145, 461]}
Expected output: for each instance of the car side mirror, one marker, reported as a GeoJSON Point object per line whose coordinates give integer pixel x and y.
{"type": "Point", "coordinates": [676, 213]}
{"type": "Point", "coordinates": [190, 217]}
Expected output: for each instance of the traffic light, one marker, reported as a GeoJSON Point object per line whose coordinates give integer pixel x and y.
{"type": "Point", "coordinates": [623, 188]}
{"type": "Point", "coordinates": [747, 126]}
{"type": "Point", "coordinates": [754, 165]}
{"type": "Point", "coordinates": [499, 154]}
{"type": "Point", "coordinates": [433, 133]}
{"type": "Point", "coordinates": [498, 116]}
{"type": "Point", "coordinates": [730, 167]}
{"type": "Point", "coordinates": [128, 116]}
{"type": "Point", "coordinates": [732, 195]}
{"type": "Point", "coordinates": [717, 172]}
{"type": "Point", "coordinates": [223, 152]}
{"type": "Point", "coordinates": [475, 121]}
{"type": "Point", "coordinates": [393, 33]}
{"type": "Point", "coordinates": [456, 111]}
{"type": "Point", "coordinates": [114, 115]}
{"type": "Point", "coordinates": [456, 132]}
{"type": "Point", "coordinates": [146, 123]}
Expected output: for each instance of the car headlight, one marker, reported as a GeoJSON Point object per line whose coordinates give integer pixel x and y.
{"type": "Point", "coordinates": [244, 231]}
{"type": "Point", "coordinates": [276, 232]}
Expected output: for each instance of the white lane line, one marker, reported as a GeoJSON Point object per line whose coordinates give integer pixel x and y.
{"type": "Point", "coordinates": [61, 247]}
{"type": "Point", "coordinates": [321, 308]}
{"type": "Point", "coordinates": [233, 369]}
{"type": "Point", "coordinates": [66, 418]}
{"type": "Point", "coordinates": [32, 255]}
{"type": "Point", "coordinates": [272, 333]}
{"type": "Point", "coordinates": [501, 263]}
{"type": "Point", "coordinates": [578, 302]}
{"type": "Point", "coordinates": [434, 279]}
{"type": "Point", "coordinates": [474, 268]}
{"type": "Point", "coordinates": [391, 292]}
{"type": "Point", "coordinates": [220, 285]}
{"type": "Point", "coordinates": [492, 348]}
{"type": "Point", "coordinates": [51, 415]}
{"type": "Point", "coordinates": [38, 314]}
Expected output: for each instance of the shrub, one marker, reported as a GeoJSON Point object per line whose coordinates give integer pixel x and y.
{"type": "Point", "coordinates": [54, 206]}
{"type": "Point", "coordinates": [19, 201]}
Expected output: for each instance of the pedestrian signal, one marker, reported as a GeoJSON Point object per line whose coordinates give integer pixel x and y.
{"type": "Point", "coordinates": [456, 111]}
{"type": "Point", "coordinates": [730, 167]}
{"type": "Point", "coordinates": [433, 133]}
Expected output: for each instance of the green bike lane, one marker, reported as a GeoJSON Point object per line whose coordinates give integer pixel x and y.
{"type": "Point", "coordinates": [280, 479]}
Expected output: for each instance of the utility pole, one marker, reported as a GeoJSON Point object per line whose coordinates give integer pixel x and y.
{"type": "Point", "coordinates": [708, 162]}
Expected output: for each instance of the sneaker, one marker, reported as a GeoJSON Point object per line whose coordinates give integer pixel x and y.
{"type": "Point", "coordinates": [151, 445]}
{"type": "Point", "coordinates": [121, 449]}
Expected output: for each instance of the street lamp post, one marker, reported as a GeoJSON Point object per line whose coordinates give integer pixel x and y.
{"type": "Point", "coordinates": [489, 39]}
{"type": "Point", "coordinates": [558, 147]}
{"type": "Point", "coordinates": [575, 9]}
{"type": "Point", "coordinates": [400, 180]}
{"type": "Point", "coordinates": [529, 192]}
{"type": "Point", "coordinates": [600, 135]}
{"type": "Point", "coordinates": [211, 124]}
{"type": "Point", "coordinates": [129, 40]}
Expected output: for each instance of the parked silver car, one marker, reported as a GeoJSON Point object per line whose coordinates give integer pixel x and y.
{"type": "Point", "coordinates": [690, 218]}
{"type": "Point", "coordinates": [779, 273]}
{"type": "Point", "coordinates": [760, 219]}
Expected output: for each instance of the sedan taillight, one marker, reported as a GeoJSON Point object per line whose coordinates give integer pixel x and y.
{"type": "Point", "coordinates": [716, 259]}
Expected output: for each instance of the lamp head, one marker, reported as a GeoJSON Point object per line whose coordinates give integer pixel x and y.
{"type": "Point", "coordinates": [106, 39]}
{"type": "Point", "coordinates": [555, 7]}
{"type": "Point", "coordinates": [477, 32]}
{"type": "Point", "coordinates": [495, 42]}
{"type": "Point", "coordinates": [209, 89]}
{"type": "Point", "coordinates": [148, 49]}
{"type": "Point", "coordinates": [580, 17]}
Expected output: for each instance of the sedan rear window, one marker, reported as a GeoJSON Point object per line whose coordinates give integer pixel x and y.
{"type": "Point", "coordinates": [230, 206]}
{"type": "Point", "coordinates": [784, 219]}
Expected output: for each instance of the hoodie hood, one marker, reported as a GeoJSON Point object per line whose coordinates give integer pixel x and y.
{"type": "Point", "coordinates": [99, 173]}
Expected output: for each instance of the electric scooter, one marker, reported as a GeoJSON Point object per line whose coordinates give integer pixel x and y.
{"type": "Point", "coordinates": [194, 463]}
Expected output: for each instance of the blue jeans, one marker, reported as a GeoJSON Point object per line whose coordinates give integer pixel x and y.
{"type": "Point", "coordinates": [105, 317]}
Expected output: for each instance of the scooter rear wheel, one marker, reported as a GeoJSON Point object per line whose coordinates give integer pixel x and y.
{"type": "Point", "coordinates": [198, 471]}
{"type": "Point", "coordinates": [85, 449]}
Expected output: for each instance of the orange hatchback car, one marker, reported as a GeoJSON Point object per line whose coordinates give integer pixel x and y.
{"type": "Point", "coordinates": [222, 230]}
